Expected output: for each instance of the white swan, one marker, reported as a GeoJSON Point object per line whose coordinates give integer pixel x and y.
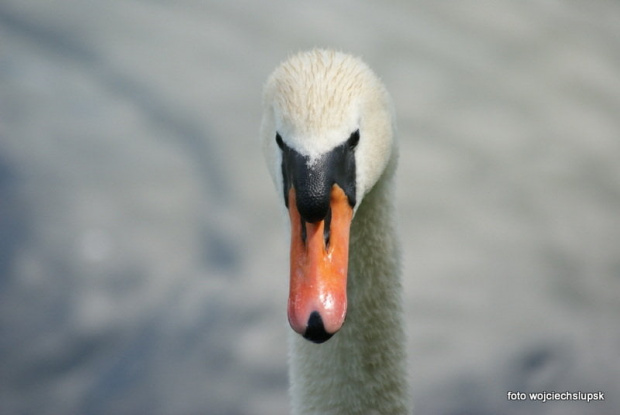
{"type": "Point", "coordinates": [328, 137]}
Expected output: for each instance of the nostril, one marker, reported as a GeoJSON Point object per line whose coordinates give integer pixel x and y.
{"type": "Point", "coordinates": [326, 228]}
{"type": "Point", "coordinates": [315, 330]}
{"type": "Point", "coordinates": [304, 232]}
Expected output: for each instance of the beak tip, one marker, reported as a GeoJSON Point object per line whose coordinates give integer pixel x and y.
{"type": "Point", "coordinates": [315, 330]}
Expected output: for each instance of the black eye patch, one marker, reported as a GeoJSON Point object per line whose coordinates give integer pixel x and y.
{"type": "Point", "coordinates": [354, 139]}
{"type": "Point", "coordinates": [313, 181]}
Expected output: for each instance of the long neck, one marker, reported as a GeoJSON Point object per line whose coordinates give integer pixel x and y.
{"type": "Point", "coordinates": [362, 369]}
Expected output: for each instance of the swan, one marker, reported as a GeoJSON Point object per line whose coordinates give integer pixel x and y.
{"type": "Point", "coordinates": [327, 134]}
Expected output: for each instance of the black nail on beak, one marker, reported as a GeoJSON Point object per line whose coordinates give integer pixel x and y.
{"type": "Point", "coordinates": [315, 330]}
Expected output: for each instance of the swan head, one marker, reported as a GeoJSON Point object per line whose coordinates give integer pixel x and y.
{"type": "Point", "coordinates": [327, 134]}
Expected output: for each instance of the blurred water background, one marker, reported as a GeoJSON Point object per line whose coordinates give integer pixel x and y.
{"type": "Point", "coordinates": [143, 254]}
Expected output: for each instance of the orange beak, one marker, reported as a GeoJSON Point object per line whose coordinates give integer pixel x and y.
{"type": "Point", "coordinates": [317, 302]}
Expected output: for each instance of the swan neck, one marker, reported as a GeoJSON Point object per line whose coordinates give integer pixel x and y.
{"type": "Point", "coordinates": [362, 369]}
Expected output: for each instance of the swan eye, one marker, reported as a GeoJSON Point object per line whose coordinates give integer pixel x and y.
{"type": "Point", "coordinates": [354, 139]}
{"type": "Point", "coordinates": [279, 141]}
